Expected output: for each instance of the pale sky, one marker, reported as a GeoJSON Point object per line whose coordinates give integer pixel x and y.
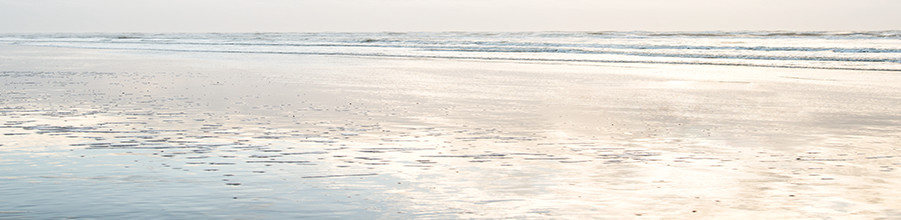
{"type": "Point", "coordinates": [444, 15]}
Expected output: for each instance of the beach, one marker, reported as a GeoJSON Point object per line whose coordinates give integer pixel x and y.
{"type": "Point", "coordinates": [114, 133]}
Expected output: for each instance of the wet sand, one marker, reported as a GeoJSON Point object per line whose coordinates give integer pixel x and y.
{"type": "Point", "coordinates": [113, 134]}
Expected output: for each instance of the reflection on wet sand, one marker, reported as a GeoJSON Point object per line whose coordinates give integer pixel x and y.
{"type": "Point", "coordinates": [431, 140]}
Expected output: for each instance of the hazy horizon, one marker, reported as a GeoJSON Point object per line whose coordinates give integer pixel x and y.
{"type": "Point", "coordinates": [43, 16]}
{"type": "Point", "coordinates": [449, 31]}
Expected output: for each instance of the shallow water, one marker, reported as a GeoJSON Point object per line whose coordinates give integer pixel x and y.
{"type": "Point", "coordinates": [126, 134]}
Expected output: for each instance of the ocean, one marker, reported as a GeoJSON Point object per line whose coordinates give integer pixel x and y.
{"type": "Point", "coordinates": [875, 50]}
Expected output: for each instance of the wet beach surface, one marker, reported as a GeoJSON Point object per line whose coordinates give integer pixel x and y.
{"type": "Point", "coordinates": [107, 134]}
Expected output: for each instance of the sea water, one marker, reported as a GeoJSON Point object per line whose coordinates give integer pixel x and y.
{"type": "Point", "coordinates": [875, 50]}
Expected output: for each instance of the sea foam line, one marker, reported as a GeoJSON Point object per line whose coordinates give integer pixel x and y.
{"type": "Point", "coordinates": [486, 58]}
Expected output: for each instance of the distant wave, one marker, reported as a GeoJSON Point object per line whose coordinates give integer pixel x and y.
{"type": "Point", "coordinates": [485, 46]}
{"type": "Point", "coordinates": [504, 58]}
{"type": "Point", "coordinates": [874, 34]}
{"type": "Point", "coordinates": [679, 55]}
{"type": "Point", "coordinates": [875, 50]}
{"type": "Point", "coordinates": [629, 34]}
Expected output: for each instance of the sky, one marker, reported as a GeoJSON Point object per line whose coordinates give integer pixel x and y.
{"type": "Point", "coordinates": [18, 16]}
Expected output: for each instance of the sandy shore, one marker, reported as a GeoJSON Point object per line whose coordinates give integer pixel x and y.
{"type": "Point", "coordinates": [112, 134]}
